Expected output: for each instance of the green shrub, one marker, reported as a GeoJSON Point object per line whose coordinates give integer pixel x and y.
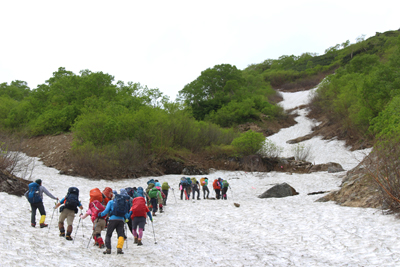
{"type": "Point", "coordinates": [248, 143]}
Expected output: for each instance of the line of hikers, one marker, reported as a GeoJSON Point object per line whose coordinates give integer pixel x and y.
{"type": "Point", "coordinates": [111, 210]}
{"type": "Point", "coordinates": [189, 185]}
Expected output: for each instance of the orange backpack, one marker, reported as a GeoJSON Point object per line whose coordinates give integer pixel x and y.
{"type": "Point", "coordinates": [95, 194]}
{"type": "Point", "coordinates": [108, 195]}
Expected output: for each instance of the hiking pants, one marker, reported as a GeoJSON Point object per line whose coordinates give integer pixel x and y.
{"type": "Point", "coordinates": [154, 203]}
{"type": "Point", "coordinates": [217, 193]}
{"type": "Point", "coordinates": [114, 225]}
{"type": "Point", "coordinates": [195, 189]}
{"type": "Point", "coordinates": [35, 206]}
{"type": "Point", "coordinates": [205, 188]}
{"type": "Point", "coordinates": [166, 196]}
{"type": "Point", "coordinates": [98, 225]}
{"type": "Point", "coordinates": [224, 190]}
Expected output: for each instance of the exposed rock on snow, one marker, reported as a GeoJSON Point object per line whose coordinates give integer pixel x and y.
{"type": "Point", "coordinates": [331, 167]}
{"type": "Point", "coordinates": [279, 190]}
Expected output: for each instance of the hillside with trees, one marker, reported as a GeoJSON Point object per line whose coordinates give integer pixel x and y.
{"type": "Point", "coordinates": [128, 130]}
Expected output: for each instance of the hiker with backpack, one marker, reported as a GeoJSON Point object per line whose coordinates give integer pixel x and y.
{"type": "Point", "coordinates": [35, 197]}
{"type": "Point", "coordinates": [99, 223]}
{"type": "Point", "coordinates": [155, 200]}
{"type": "Point", "coordinates": [195, 188]}
{"type": "Point", "coordinates": [183, 186]}
{"type": "Point", "coordinates": [217, 188]}
{"type": "Point", "coordinates": [118, 209]}
{"type": "Point", "coordinates": [137, 214]}
{"type": "Point", "coordinates": [107, 195]}
{"type": "Point", "coordinates": [70, 206]}
{"type": "Point", "coordinates": [165, 188]}
{"type": "Point", "coordinates": [225, 186]}
{"type": "Point", "coordinates": [204, 184]}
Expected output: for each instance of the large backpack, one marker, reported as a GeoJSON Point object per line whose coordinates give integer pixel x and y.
{"type": "Point", "coordinates": [96, 207]}
{"type": "Point", "coordinates": [71, 201]}
{"type": "Point", "coordinates": [151, 181]}
{"type": "Point", "coordinates": [139, 192]}
{"type": "Point", "coordinates": [184, 182]}
{"type": "Point", "coordinates": [130, 191]}
{"type": "Point", "coordinates": [34, 195]}
{"type": "Point", "coordinates": [188, 180]}
{"type": "Point", "coordinates": [95, 194]}
{"type": "Point", "coordinates": [121, 205]}
{"type": "Point", "coordinates": [225, 184]}
{"type": "Point", "coordinates": [165, 186]}
{"type": "Point", "coordinates": [139, 208]}
{"type": "Point", "coordinates": [203, 181]}
{"type": "Point", "coordinates": [153, 193]}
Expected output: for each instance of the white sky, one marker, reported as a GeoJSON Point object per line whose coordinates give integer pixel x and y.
{"type": "Point", "coordinates": [166, 44]}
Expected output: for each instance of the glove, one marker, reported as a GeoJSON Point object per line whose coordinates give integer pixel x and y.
{"type": "Point", "coordinates": [81, 215]}
{"type": "Point", "coordinates": [151, 219]}
{"type": "Point", "coordinates": [126, 220]}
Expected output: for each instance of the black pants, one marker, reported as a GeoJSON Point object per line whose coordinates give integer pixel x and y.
{"type": "Point", "coordinates": [194, 192]}
{"type": "Point", "coordinates": [166, 196]}
{"type": "Point", "coordinates": [205, 189]}
{"type": "Point", "coordinates": [217, 193]}
{"type": "Point", "coordinates": [114, 225]}
{"type": "Point", "coordinates": [35, 206]}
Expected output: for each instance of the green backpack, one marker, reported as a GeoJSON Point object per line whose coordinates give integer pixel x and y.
{"type": "Point", "coordinates": [153, 193]}
{"type": "Point", "coordinates": [165, 186]}
{"type": "Point", "coordinates": [225, 183]}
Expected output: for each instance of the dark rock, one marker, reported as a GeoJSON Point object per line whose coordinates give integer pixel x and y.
{"type": "Point", "coordinates": [193, 170]}
{"type": "Point", "coordinates": [278, 191]}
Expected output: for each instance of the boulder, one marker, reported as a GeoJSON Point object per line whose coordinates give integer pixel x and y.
{"type": "Point", "coordinates": [330, 167]}
{"type": "Point", "coordinates": [279, 190]}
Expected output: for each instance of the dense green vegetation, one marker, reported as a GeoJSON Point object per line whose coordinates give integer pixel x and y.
{"type": "Point", "coordinates": [226, 96]}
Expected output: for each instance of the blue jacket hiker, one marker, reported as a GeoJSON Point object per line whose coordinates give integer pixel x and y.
{"type": "Point", "coordinates": [35, 197]}
{"type": "Point", "coordinates": [118, 209]}
{"type": "Point", "coordinates": [70, 206]}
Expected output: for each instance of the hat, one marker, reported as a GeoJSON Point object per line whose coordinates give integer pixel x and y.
{"type": "Point", "coordinates": [38, 181]}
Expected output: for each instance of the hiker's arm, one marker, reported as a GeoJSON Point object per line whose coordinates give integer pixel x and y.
{"type": "Point", "coordinates": [48, 193]}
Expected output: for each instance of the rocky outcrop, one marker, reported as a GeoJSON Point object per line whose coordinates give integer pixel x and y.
{"type": "Point", "coordinates": [330, 167]}
{"type": "Point", "coordinates": [357, 190]}
{"type": "Point", "coordinates": [278, 191]}
{"type": "Point", "coordinates": [12, 185]}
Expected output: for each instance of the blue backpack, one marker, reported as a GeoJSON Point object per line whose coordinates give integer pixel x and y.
{"type": "Point", "coordinates": [151, 181]}
{"type": "Point", "coordinates": [188, 180]}
{"type": "Point", "coordinates": [121, 205]}
{"type": "Point", "coordinates": [72, 199]}
{"type": "Point", "coordinates": [33, 195]}
{"type": "Point", "coordinates": [184, 182]}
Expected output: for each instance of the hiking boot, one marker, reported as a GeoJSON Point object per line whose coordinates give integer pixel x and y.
{"type": "Point", "coordinates": [107, 251]}
{"type": "Point", "coordinates": [161, 211]}
{"type": "Point", "coordinates": [96, 243]}
{"type": "Point", "coordinates": [102, 246]}
{"type": "Point", "coordinates": [68, 237]}
{"type": "Point", "coordinates": [62, 234]}
{"type": "Point", "coordinates": [43, 225]}
{"type": "Point", "coordinates": [154, 214]}
{"type": "Point", "coordinates": [198, 198]}
{"type": "Point", "coordinates": [139, 243]}
{"type": "Point", "coordinates": [33, 225]}
{"type": "Point", "coordinates": [136, 240]}
{"type": "Point", "coordinates": [119, 251]}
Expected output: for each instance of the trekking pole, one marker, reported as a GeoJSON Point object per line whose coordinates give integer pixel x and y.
{"type": "Point", "coordinates": [232, 193]}
{"type": "Point", "coordinates": [77, 229]}
{"type": "Point", "coordinates": [174, 194]}
{"type": "Point", "coordinates": [90, 238]}
{"type": "Point", "coordinates": [51, 219]}
{"type": "Point", "coordinates": [154, 234]}
{"type": "Point", "coordinates": [126, 232]}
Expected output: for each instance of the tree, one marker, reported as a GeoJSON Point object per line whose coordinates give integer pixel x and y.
{"type": "Point", "coordinates": [212, 89]}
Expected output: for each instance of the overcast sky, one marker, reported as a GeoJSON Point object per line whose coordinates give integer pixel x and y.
{"type": "Point", "coordinates": [166, 44]}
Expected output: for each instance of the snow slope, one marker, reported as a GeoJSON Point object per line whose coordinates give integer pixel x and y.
{"type": "Point", "coordinates": [292, 231]}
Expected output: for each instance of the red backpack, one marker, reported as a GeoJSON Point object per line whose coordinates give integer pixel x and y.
{"type": "Point", "coordinates": [139, 208]}
{"type": "Point", "coordinates": [96, 207]}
